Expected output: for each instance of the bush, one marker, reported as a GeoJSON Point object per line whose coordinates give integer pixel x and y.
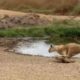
{"type": "Point", "coordinates": [58, 32]}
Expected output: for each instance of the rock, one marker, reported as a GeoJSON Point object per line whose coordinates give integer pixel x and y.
{"type": "Point", "coordinates": [29, 19]}
{"type": "Point", "coordinates": [16, 20]}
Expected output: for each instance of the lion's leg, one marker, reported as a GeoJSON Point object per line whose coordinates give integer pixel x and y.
{"type": "Point", "coordinates": [70, 54]}
{"type": "Point", "coordinates": [64, 53]}
{"type": "Point", "coordinates": [67, 54]}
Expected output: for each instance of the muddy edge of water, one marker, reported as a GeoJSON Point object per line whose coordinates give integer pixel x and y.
{"type": "Point", "coordinates": [11, 42]}
{"type": "Point", "coordinates": [27, 45]}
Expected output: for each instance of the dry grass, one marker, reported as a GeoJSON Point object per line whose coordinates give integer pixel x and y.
{"type": "Point", "coordinates": [39, 6]}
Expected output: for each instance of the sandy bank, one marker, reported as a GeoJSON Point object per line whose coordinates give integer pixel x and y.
{"type": "Point", "coordinates": [22, 67]}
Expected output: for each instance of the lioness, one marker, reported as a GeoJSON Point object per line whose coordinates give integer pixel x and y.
{"type": "Point", "coordinates": [69, 50]}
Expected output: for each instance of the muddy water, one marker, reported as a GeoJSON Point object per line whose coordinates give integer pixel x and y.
{"type": "Point", "coordinates": [39, 48]}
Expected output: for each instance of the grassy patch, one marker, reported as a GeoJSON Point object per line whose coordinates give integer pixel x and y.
{"type": "Point", "coordinates": [58, 32]}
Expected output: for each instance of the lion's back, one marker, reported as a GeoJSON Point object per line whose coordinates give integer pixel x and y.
{"type": "Point", "coordinates": [73, 48]}
{"type": "Point", "coordinates": [73, 45]}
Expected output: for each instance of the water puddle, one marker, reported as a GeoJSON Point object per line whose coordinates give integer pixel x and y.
{"type": "Point", "coordinates": [36, 47]}
{"type": "Point", "coordinates": [39, 48]}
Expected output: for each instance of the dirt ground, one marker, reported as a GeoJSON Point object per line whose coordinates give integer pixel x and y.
{"type": "Point", "coordinates": [49, 17]}
{"type": "Point", "coordinates": [15, 19]}
{"type": "Point", "coordinates": [22, 67]}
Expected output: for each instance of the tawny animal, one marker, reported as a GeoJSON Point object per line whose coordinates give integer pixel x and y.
{"type": "Point", "coordinates": [69, 50]}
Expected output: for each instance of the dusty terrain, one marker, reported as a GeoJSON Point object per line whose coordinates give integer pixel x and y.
{"type": "Point", "coordinates": [23, 67]}
{"type": "Point", "coordinates": [13, 19]}
{"type": "Point", "coordinates": [49, 17]}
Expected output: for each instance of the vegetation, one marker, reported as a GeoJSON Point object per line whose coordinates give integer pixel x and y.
{"type": "Point", "coordinates": [76, 10]}
{"type": "Point", "coordinates": [43, 6]}
{"type": "Point", "coordinates": [58, 32]}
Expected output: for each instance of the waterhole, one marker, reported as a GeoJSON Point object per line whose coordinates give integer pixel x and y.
{"type": "Point", "coordinates": [38, 48]}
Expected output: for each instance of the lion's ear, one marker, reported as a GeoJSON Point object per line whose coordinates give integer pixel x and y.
{"type": "Point", "coordinates": [51, 45]}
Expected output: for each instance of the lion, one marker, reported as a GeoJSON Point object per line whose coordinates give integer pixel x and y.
{"type": "Point", "coordinates": [68, 50]}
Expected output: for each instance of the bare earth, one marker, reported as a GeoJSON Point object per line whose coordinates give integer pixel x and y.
{"type": "Point", "coordinates": [49, 17]}
{"type": "Point", "coordinates": [23, 67]}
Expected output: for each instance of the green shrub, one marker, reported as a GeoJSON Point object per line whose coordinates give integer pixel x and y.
{"type": "Point", "coordinates": [58, 32]}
